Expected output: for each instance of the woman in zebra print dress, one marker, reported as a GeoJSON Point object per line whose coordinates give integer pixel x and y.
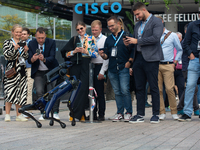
{"type": "Point", "coordinates": [15, 88]}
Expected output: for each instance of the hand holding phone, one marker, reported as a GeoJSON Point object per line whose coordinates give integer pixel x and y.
{"type": "Point", "coordinates": [21, 44]}
{"type": "Point", "coordinates": [38, 51]}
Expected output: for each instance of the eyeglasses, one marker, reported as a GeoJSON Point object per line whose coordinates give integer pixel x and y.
{"type": "Point", "coordinates": [79, 29]}
{"type": "Point", "coordinates": [111, 26]}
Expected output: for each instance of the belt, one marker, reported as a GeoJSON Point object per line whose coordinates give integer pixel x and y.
{"type": "Point", "coordinates": [166, 62]}
{"type": "Point", "coordinates": [98, 63]}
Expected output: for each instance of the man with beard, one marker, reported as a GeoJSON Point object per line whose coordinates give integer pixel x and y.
{"type": "Point", "coordinates": [120, 61]}
{"type": "Point", "coordinates": [147, 55]}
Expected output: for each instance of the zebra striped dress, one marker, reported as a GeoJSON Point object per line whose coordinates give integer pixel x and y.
{"type": "Point", "coordinates": [15, 88]}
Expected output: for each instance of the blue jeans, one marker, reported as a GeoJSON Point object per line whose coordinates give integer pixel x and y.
{"type": "Point", "coordinates": [193, 75]}
{"type": "Point", "coordinates": [120, 84]}
{"type": "Point", "coordinates": [198, 94]}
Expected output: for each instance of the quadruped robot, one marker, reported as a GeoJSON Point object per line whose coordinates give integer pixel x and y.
{"type": "Point", "coordinates": [47, 101]}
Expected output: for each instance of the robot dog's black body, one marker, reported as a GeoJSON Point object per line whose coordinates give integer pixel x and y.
{"type": "Point", "coordinates": [46, 103]}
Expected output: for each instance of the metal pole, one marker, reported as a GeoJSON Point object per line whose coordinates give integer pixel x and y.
{"type": "Point", "coordinates": [91, 91]}
{"type": "Point", "coordinates": [36, 21]}
{"type": "Point", "coordinates": [54, 28]}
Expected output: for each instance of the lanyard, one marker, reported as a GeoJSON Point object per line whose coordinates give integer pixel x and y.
{"type": "Point", "coordinates": [98, 39]}
{"type": "Point", "coordinates": [142, 29]}
{"type": "Point", "coordinates": [43, 48]}
{"type": "Point", "coordinates": [20, 49]}
{"type": "Point", "coordinates": [117, 40]}
{"type": "Point", "coordinates": [27, 41]}
{"type": "Point", "coordinates": [82, 42]}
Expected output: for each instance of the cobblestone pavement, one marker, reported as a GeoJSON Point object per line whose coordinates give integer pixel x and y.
{"type": "Point", "coordinates": [108, 135]}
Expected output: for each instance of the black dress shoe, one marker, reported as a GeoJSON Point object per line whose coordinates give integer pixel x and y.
{"type": "Point", "coordinates": [101, 119]}
{"type": "Point", "coordinates": [88, 118]}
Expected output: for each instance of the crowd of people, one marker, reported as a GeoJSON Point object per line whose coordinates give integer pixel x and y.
{"type": "Point", "coordinates": [153, 56]}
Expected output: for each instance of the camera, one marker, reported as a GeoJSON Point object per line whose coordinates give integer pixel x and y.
{"type": "Point", "coordinates": [22, 43]}
{"type": "Point", "coordinates": [38, 51]}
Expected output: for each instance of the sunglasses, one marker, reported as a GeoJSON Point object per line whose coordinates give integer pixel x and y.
{"type": "Point", "coordinates": [79, 29]}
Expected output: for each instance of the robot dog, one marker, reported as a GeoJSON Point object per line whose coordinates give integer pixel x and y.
{"type": "Point", "coordinates": [46, 102]}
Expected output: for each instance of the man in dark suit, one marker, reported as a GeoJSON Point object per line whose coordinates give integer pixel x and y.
{"type": "Point", "coordinates": [147, 55]}
{"type": "Point", "coordinates": [42, 60]}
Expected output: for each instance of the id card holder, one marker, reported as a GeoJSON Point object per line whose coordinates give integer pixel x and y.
{"type": "Point", "coordinates": [198, 46]}
{"type": "Point", "coordinates": [114, 52]}
{"type": "Point", "coordinates": [21, 61]}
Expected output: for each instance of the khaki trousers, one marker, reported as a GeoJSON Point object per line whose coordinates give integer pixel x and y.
{"type": "Point", "coordinates": [30, 86]}
{"type": "Point", "coordinates": [166, 75]}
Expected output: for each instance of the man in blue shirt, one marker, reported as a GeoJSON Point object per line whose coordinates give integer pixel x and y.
{"type": "Point", "coordinates": [169, 41]}
{"type": "Point", "coordinates": [120, 61]}
{"type": "Point", "coordinates": [192, 46]}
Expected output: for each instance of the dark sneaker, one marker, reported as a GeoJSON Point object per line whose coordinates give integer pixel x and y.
{"type": "Point", "coordinates": [136, 119]}
{"type": "Point", "coordinates": [119, 117]}
{"type": "Point", "coordinates": [154, 119]}
{"type": "Point", "coordinates": [184, 118]}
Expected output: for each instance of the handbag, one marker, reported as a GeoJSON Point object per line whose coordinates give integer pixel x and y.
{"type": "Point", "coordinates": [12, 72]}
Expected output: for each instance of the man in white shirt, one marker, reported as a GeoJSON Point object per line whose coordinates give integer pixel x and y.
{"type": "Point", "coordinates": [100, 67]}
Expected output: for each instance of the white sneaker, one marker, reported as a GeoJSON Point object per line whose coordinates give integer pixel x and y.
{"type": "Point", "coordinates": [21, 118]}
{"type": "Point", "coordinates": [127, 117]}
{"type": "Point", "coordinates": [175, 116]}
{"type": "Point", "coordinates": [56, 116]}
{"type": "Point", "coordinates": [113, 117]}
{"type": "Point", "coordinates": [41, 118]}
{"type": "Point", "coordinates": [162, 116]}
{"type": "Point", "coordinates": [119, 117]}
{"type": "Point", "coordinates": [7, 118]}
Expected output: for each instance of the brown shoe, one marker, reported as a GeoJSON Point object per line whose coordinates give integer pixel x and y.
{"type": "Point", "coordinates": [83, 118]}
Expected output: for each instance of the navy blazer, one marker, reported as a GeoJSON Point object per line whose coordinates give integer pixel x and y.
{"type": "Point", "coordinates": [150, 40]}
{"type": "Point", "coordinates": [49, 55]}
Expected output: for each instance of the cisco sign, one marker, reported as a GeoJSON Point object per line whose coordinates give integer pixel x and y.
{"type": "Point", "coordinates": [95, 8]}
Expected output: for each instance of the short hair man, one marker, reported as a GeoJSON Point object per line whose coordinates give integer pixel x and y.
{"type": "Point", "coordinates": [191, 45]}
{"type": "Point", "coordinates": [169, 42]}
{"type": "Point", "coordinates": [120, 61]}
{"type": "Point", "coordinates": [147, 54]}
{"type": "Point", "coordinates": [25, 37]}
{"type": "Point", "coordinates": [43, 63]}
{"type": "Point", "coordinates": [100, 67]}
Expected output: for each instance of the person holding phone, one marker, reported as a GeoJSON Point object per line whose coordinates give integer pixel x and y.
{"type": "Point", "coordinates": [42, 62]}
{"type": "Point", "coordinates": [15, 88]}
{"type": "Point", "coordinates": [78, 50]}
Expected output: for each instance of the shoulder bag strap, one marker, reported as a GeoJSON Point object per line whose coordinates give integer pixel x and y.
{"type": "Point", "coordinates": [166, 36]}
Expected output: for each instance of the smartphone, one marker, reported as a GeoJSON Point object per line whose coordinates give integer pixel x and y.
{"type": "Point", "coordinates": [38, 51]}
{"type": "Point", "coordinates": [103, 49]}
{"type": "Point", "coordinates": [78, 45]}
{"type": "Point", "coordinates": [21, 44]}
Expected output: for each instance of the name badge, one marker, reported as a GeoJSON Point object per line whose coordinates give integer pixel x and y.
{"type": "Point", "coordinates": [21, 61]}
{"type": "Point", "coordinates": [198, 47]}
{"type": "Point", "coordinates": [114, 52]}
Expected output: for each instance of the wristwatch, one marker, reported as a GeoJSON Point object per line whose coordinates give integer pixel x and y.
{"type": "Point", "coordinates": [175, 64]}
{"type": "Point", "coordinates": [130, 61]}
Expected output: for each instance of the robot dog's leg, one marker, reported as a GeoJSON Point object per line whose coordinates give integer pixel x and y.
{"type": "Point", "coordinates": [29, 107]}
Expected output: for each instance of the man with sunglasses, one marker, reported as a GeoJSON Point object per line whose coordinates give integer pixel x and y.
{"type": "Point", "coordinates": [120, 61]}
{"type": "Point", "coordinates": [42, 52]}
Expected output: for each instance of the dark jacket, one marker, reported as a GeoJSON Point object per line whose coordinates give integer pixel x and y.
{"type": "Point", "coordinates": [150, 40]}
{"type": "Point", "coordinates": [123, 53]}
{"type": "Point", "coordinates": [71, 45]}
{"type": "Point", "coordinates": [49, 55]}
{"type": "Point", "coordinates": [191, 38]}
